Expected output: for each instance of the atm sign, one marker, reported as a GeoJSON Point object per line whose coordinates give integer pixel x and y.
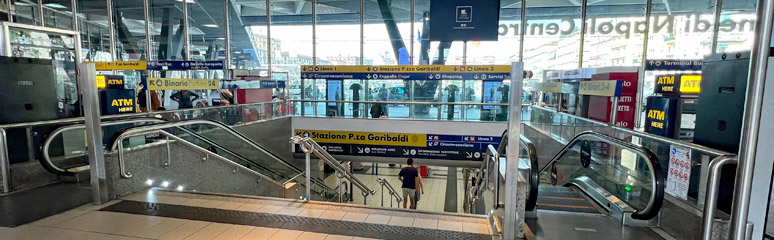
{"type": "Point", "coordinates": [690, 84]}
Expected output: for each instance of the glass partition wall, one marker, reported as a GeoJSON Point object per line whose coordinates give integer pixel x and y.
{"type": "Point", "coordinates": [281, 35]}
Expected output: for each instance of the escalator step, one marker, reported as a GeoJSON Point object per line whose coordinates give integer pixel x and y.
{"type": "Point", "coordinates": [558, 198]}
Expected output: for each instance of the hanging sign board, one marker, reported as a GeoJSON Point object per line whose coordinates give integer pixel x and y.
{"type": "Point", "coordinates": [182, 84]}
{"type": "Point", "coordinates": [604, 88]}
{"type": "Point", "coordinates": [185, 65]}
{"type": "Point", "coordinates": [380, 144]}
{"type": "Point", "coordinates": [408, 72]}
{"type": "Point", "coordinates": [549, 87]}
{"type": "Point", "coordinates": [120, 65]}
{"type": "Point", "coordinates": [665, 65]}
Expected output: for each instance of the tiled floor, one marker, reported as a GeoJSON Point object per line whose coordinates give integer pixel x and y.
{"type": "Point", "coordinates": [87, 223]}
{"type": "Point", "coordinates": [432, 200]}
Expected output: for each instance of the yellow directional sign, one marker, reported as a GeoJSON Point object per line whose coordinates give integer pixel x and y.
{"type": "Point", "coordinates": [549, 87]}
{"type": "Point", "coordinates": [120, 65]}
{"type": "Point", "coordinates": [690, 84]}
{"type": "Point", "coordinates": [182, 84]}
{"type": "Point", "coordinates": [368, 138]}
{"type": "Point", "coordinates": [408, 69]}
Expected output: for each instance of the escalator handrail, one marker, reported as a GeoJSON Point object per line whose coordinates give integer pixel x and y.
{"type": "Point", "coordinates": [53, 168]}
{"type": "Point", "coordinates": [161, 126]}
{"type": "Point", "coordinates": [125, 174]}
{"type": "Point", "coordinates": [534, 175]}
{"type": "Point", "coordinates": [657, 180]}
{"type": "Point", "coordinates": [309, 144]}
{"type": "Point", "coordinates": [179, 125]}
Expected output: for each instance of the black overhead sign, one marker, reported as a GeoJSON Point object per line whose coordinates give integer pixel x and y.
{"type": "Point", "coordinates": [464, 20]}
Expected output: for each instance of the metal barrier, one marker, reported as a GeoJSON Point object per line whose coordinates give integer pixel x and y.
{"type": "Point", "coordinates": [309, 147]}
{"type": "Point", "coordinates": [363, 110]}
{"type": "Point", "coordinates": [713, 187]}
{"type": "Point", "coordinates": [278, 109]}
{"type": "Point", "coordinates": [390, 190]}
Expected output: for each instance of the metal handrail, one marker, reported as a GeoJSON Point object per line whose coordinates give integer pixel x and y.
{"type": "Point", "coordinates": [657, 180]}
{"type": "Point", "coordinates": [534, 177]}
{"type": "Point", "coordinates": [310, 146]}
{"type": "Point", "coordinates": [402, 102]}
{"type": "Point", "coordinates": [390, 190]}
{"type": "Point", "coordinates": [713, 186]}
{"type": "Point", "coordinates": [643, 135]}
{"type": "Point", "coordinates": [5, 168]}
{"type": "Point", "coordinates": [125, 174]}
{"type": "Point", "coordinates": [220, 125]}
{"type": "Point", "coordinates": [491, 155]}
{"type": "Point", "coordinates": [46, 160]}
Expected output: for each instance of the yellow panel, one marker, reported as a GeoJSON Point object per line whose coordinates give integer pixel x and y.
{"type": "Point", "coordinates": [690, 84]}
{"type": "Point", "coordinates": [101, 81]}
{"type": "Point", "coordinates": [120, 65]}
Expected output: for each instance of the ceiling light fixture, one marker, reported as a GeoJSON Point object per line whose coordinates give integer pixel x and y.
{"type": "Point", "coordinates": [210, 25]}
{"type": "Point", "coordinates": [187, 1]}
{"type": "Point", "coordinates": [165, 184]}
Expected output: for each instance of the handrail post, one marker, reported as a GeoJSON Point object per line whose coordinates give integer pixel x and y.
{"type": "Point", "coordinates": [391, 200]}
{"type": "Point", "coordinates": [713, 186]}
{"type": "Point", "coordinates": [383, 195]}
{"type": "Point", "coordinates": [341, 191]}
{"type": "Point", "coordinates": [308, 175]}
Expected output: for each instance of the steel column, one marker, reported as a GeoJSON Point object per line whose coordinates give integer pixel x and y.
{"type": "Point", "coordinates": [582, 33]}
{"type": "Point", "coordinates": [41, 21]}
{"type": "Point", "coordinates": [111, 29]}
{"type": "Point", "coordinates": [77, 29]}
{"type": "Point", "coordinates": [362, 37]}
{"type": "Point", "coordinates": [641, 82]}
{"type": "Point", "coordinates": [411, 42]}
{"type": "Point", "coordinates": [523, 29]}
{"type": "Point", "coordinates": [8, 10]}
{"type": "Point", "coordinates": [186, 37]}
{"type": "Point", "coordinates": [513, 226]}
{"type": "Point", "coordinates": [314, 33]}
{"type": "Point", "coordinates": [268, 36]}
{"type": "Point", "coordinates": [753, 106]}
{"type": "Point", "coordinates": [227, 37]}
{"type": "Point", "coordinates": [716, 27]}
{"type": "Point", "coordinates": [90, 101]}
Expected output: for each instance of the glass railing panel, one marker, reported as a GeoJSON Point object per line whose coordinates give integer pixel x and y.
{"type": "Point", "coordinates": [223, 142]}
{"type": "Point", "coordinates": [619, 171]}
{"type": "Point", "coordinates": [662, 147]}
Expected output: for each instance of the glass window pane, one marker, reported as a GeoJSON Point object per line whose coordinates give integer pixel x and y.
{"type": "Point", "coordinates": [737, 21]}
{"type": "Point", "coordinates": [338, 32]}
{"type": "Point", "coordinates": [552, 37]}
{"type": "Point", "coordinates": [614, 35]}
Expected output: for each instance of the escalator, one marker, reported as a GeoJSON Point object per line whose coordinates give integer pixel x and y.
{"type": "Point", "coordinates": [596, 186]}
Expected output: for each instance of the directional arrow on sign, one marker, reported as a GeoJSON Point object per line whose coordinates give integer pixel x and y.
{"type": "Point", "coordinates": [431, 76]}
{"type": "Point", "coordinates": [455, 68]}
{"type": "Point", "coordinates": [470, 155]}
{"type": "Point", "coordinates": [476, 76]}
{"type": "Point", "coordinates": [368, 76]}
{"type": "Point", "coordinates": [405, 152]}
{"type": "Point", "coordinates": [359, 150]}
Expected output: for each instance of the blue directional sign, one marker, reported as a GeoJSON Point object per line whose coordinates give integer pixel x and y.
{"type": "Point", "coordinates": [272, 84]}
{"type": "Point", "coordinates": [688, 65]}
{"type": "Point", "coordinates": [185, 65]}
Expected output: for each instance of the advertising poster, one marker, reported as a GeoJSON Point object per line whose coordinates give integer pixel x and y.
{"type": "Point", "coordinates": [379, 144]}
{"type": "Point", "coordinates": [679, 172]}
{"type": "Point", "coordinates": [335, 91]}
{"type": "Point", "coordinates": [491, 95]}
